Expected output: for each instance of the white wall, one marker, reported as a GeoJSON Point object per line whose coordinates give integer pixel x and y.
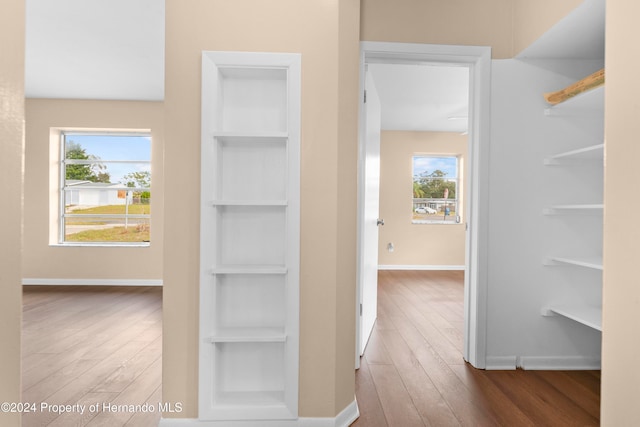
{"type": "Point", "coordinates": [520, 235]}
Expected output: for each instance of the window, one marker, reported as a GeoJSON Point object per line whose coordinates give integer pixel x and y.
{"type": "Point", "coordinates": [435, 189]}
{"type": "Point", "coordinates": [105, 191]}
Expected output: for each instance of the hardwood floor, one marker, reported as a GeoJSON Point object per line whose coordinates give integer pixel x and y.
{"type": "Point", "coordinates": [413, 374]}
{"type": "Point", "coordinates": [91, 345]}
{"type": "Point", "coordinates": [103, 345]}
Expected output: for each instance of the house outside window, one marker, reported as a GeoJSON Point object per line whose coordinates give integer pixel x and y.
{"type": "Point", "coordinates": [436, 189]}
{"type": "Point", "coordinates": [105, 188]}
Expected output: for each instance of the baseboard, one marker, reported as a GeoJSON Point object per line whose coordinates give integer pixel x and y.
{"type": "Point", "coordinates": [420, 267]}
{"type": "Point", "coordinates": [543, 363]}
{"type": "Point", "coordinates": [559, 363]}
{"type": "Point", "coordinates": [343, 419]}
{"type": "Point", "coordinates": [92, 282]}
{"type": "Point", "coordinates": [501, 363]}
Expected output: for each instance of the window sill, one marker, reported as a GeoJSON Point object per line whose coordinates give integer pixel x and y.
{"type": "Point", "coordinates": [103, 245]}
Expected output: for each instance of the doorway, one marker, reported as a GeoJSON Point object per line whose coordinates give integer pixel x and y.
{"type": "Point", "coordinates": [478, 62]}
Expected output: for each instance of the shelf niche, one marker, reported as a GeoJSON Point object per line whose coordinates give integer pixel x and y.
{"type": "Point", "coordinates": [249, 236]}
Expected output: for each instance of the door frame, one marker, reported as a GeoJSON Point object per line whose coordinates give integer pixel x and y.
{"type": "Point", "coordinates": [478, 60]}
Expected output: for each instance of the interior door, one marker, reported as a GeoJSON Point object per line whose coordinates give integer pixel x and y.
{"type": "Point", "coordinates": [370, 199]}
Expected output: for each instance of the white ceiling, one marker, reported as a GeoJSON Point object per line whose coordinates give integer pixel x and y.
{"type": "Point", "coordinates": [422, 97]}
{"type": "Point", "coordinates": [114, 49]}
{"type": "Point", "coordinates": [95, 49]}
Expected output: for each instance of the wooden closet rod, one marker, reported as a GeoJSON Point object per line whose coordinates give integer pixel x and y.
{"type": "Point", "coordinates": [590, 82]}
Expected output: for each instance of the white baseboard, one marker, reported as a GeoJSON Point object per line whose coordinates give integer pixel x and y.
{"type": "Point", "coordinates": [343, 419]}
{"type": "Point", "coordinates": [542, 363]}
{"type": "Point", "coordinates": [420, 267]}
{"type": "Point", "coordinates": [501, 363]}
{"type": "Point", "coordinates": [92, 282]}
{"type": "Point", "coordinates": [563, 363]}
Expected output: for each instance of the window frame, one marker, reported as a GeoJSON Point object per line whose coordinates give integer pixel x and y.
{"type": "Point", "coordinates": [457, 200]}
{"type": "Point", "coordinates": [63, 188]}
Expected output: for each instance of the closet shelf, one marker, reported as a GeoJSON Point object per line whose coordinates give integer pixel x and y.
{"type": "Point", "coordinates": [587, 262]}
{"type": "Point", "coordinates": [587, 315]}
{"type": "Point", "coordinates": [572, 209]}
{"type": "Point", "coordinates": [590, 101]}
{"type": "Point", "coordinates": [249, 269]}
{"type": "Point", "coordinates": [588, 83]}
{"type": "Point", "coordinates": [590, 153]}
{"type": "Point", "coordinates": [247, 335]}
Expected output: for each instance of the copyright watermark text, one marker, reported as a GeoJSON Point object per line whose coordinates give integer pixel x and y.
{"type": "Point", "coordinates": [78, 408]}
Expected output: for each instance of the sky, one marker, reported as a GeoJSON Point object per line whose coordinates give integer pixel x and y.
{"type": "Point", "coordinates": [430, 164]}
{"type": "Point", "coordinates": [117, 147]}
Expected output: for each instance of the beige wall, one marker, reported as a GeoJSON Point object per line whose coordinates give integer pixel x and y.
{"type": "Point", "coordinates": [461, 22]}
{"type": "Point", "coordinates": [531, 19]}
{"type": "Point", "coordinates": [415, 244]}
{"type": "Point", "coordinates": [326, 35]}
{"type": "Point", "coordinates": [508, 26]}
{"type": "Point", "coordinates": [11, 182]}
{"type": "Point", "coordinates": [42, 260]}
{"type": "Point", "coordinates": [348, 87]}
{"type": "Point", "coordinates": [621, 293]}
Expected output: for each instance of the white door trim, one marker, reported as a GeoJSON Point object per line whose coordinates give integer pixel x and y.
{"type": "Point", "coordinates": [478, 59]}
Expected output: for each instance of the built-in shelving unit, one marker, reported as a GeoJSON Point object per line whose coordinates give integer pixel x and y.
{"type": "Point", "coordinates": [250, 233]}
{"type": "Point", "coordinates": [583, 105]}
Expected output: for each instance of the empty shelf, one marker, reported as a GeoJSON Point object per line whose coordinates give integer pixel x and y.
{"type": "Point", "coordinates": [588, 262]}
{"type": "Point", "coordinates": [237, 335]}
{"type": "Point", "coordinates": [589, 316]}
{"type": "Point", "coordinates": [587, 208]}
{"type": "Point", "coordinates": [243, 136]}
{"type": "Point", "coordinates": [249, 203]}
{"type": "Point", "coordinates": [590, 153]}
{"type": "Point", "coordinates": [249, 269]}
{"type": "Point", "coordinates": [251, 398]}
{"type": "Point", "coordinates": [590, 101]}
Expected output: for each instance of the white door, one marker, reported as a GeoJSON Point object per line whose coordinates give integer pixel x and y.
{"type": "Point", "coordinates": [370, 203]}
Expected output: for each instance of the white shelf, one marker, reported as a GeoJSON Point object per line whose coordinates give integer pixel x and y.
{"type": "Point", "coordinates": [249, 269]}
{"type": "Point", "coordinates": [243, 136]}
{"type": "Point", "coordinates": [244, 335]}
{"type": "Point", "coordinates": [591, 101]}
{"type": "Point", "coordinates": [589, 316]}
{"type": "Point", "coordinates": [249, 203]}
{"type": "Point", "coordinates": [587, 262]}
{"type": "Point", "coordinates": [590, 153]}
{"type": "Point", "coordinates": [234, 399]}
{"type": "Point", "coordinates": [571, 209]}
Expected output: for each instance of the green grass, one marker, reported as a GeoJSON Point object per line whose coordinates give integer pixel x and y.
{"type": "Point", "coordinates": [115, 234]}
{"type": "Point", "coordinates": [115, 209]}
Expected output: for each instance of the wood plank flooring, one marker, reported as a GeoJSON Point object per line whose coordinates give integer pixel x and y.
{"type": "Point", "coordinates": [413, 374]}
{"type": "Point", "coordinates": [95, 345]}
{"type": "Point", "coordinates": [91, 345]}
